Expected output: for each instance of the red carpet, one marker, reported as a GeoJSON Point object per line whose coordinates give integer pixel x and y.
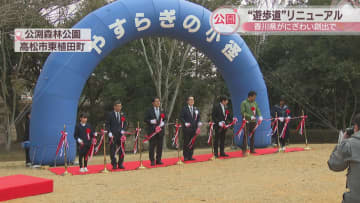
{"type": "Point", "coordinates": [74, 170]}
{"type": "Point", "coordinates": [16, 186]}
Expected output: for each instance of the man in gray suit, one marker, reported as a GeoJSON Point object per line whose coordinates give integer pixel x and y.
{"type": "Point", "coordinates": [346, 155]}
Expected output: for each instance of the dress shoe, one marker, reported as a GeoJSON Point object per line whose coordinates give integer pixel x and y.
{"type": "Point", "coordinates": [216, 156]}
{"type": "Point", "coordinates": [224, 155]}
{"type": "Point", "coordinates": [159, 162]}
{"type": "Point", "coordinates": [152, 163]}
{"type": "Point", "coordinates": [186, 159]}
{"type": "Point", "coordinates": [192, 159]}
{"type": "Point", "coordinates": [114, 167]}
{"type": "Point", "coordinates": [252, 152]}
{"type": "Point", "coordinates": [121, 166]}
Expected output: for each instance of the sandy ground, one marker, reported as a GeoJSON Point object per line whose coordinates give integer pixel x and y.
{"type": "Point", "coordinates": [282, 177]}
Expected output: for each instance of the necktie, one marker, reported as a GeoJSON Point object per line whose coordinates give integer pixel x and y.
{"type": "Point", "coordinates": [118, 117]}
{"type": "Point", "coordinates": [191, 111]}
{"type": "Point", "coordinates": [157, 113]}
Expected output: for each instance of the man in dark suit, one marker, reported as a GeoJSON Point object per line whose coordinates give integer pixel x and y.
{"type": "Point", "coordinates": [190, 119]}
{"type": "Point", "coordinates": [116, 125]}
{"type": "Point", "coordinates": [221, 117]}
{"type": "Point", "coordinates": [154, 118]}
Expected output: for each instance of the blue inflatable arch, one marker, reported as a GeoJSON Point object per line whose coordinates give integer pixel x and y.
{"type": "Point", "coordinates": [64, 75]}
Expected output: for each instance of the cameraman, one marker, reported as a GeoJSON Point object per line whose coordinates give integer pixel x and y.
{"type": "Point", "coordinates": [347, 155]}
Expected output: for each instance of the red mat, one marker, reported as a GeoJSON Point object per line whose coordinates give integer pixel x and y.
{"type": "Point", "coordinates": [132, 165]}
{"type": "Point", "coordinates": [16, 186]}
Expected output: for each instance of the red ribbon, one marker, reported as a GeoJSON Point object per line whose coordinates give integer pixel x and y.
{"type": "Point", "coordinates": [127, 133]}
{"type": "Point", "coordinates": [301, 125]}
{"type": "Point", "coordinates": [287, 120]}
{"type": "Point", "coordinates": [287, 111]}
{"type": "Point", "coordinates": [88, 131]}
{"type": "Point", "coordinates": [111, 139]}
{"type": "Point", "coordinates": [157, 130]}
{"type": "Point", "coordinates": [226, 114]}
{"type": "Point", "coordinates": [230, 124]}
{"type": "Point", "coordinates": [196, 114]}
{"type": "Point", "coordinates": [257, 125]}
{"type": "Point", "coordinates": [211, 124]}
{"type": "Point", "coordinates": [176, 136]}
{"type": "Point", "coordinates": [138, 130]}
{"type": "Point", "coordinates": [275, 123]}
{"type": "Point", "coordinates": [102, 132]}
{"type": "Point", "coordinates": [91, 150]}
{"type": "Point", "coordinates": [62, 141]}
{"type": "Point", "coordinates": [192, 141]}
{"type": "Point", "coordinates": [122, 121]}
{"type": "Point", "coordinates": [253, 109]}
{"type": "Point", "coordinates": [122, 147]}
{"type": "Point", "coordinates": [148, 137]}
{"type": "Point", "coordinates": [241, 128]}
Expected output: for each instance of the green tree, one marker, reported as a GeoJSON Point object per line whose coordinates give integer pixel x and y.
{"type": "Point", "coordinates": [18, 70]}
{"type": "Point", "coordinates": [316, 73]}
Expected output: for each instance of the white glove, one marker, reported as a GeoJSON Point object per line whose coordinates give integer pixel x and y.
{"type": "Point", "coordinates": [288, 117]}
{"type": "Point", "coordinates": [122, 132]}
{"type": "Point", "coordinates": [253, 118]}
{"type": "Point", "coordinates": [200, 124]}
{"type": "Point", "coordinates": [221, 123]}
{"type": "Point", "coordinates": [95, 134]}
{"type": "Point", "coordinates": [281, 119]}
{"type": "Point", "coordinates": [79, 141]}
{"type": "Point", "coordinates": [162, 124]}
{"type": "Point", "coordinates": [110, 135]}
{"type": "Point", "coordinates": [261, 118]}
{"type": "Point", "coordinates": [153, 121]}
{"type": "Point", "coordinates": [187, 125]}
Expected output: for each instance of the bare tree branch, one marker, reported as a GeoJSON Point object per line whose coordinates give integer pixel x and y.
{"type": "Point", "coordinates": [182, 65]}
